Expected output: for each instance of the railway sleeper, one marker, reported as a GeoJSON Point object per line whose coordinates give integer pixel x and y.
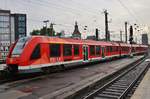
{"type": "Point", "coordinates": [114, 90]}
{"type": "Point", "coordinates": [111, 93]}
{"type": "Point", "coordinates": [120, 86]}
{"type": "Point", "coordinates": [107, 96]}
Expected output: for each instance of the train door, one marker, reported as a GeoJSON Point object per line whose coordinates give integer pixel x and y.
{"type": "Point", "coordinates": [85, 52]}
{"type": "Point", "coordinates": [119, 50]}
{"type": "Point", "coordinates": [103, 52]}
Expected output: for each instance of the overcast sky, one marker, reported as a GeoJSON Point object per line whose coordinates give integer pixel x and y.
{"type": "Point", "coordinates": [88, 13]}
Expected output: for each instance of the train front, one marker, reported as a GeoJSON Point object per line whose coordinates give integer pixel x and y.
{"type": "Point", "coordinates": [16, 50]}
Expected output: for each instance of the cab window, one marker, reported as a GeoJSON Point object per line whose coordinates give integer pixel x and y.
{"type": "Point", "coordinates": [20, 45]}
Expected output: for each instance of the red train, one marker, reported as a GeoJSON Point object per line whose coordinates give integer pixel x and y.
{"type": "Point", "coordinates": [41, 52]}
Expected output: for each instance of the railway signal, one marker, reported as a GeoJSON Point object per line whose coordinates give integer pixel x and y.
{"type": "Point", "coordinates": [131, 35]}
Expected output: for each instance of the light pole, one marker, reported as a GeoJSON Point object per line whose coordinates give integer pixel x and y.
{"type": "Point", "coordinates": [85, 30]}
{"type": "Point", "coordinates": [121, 35]}
{"type": "Point", "coordinates": [126, 37]}
{"type": "Point", "coordinates": [46, 21]}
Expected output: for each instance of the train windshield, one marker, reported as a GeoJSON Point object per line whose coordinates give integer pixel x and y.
{"type": "Point", "coordinates": [20, 45]}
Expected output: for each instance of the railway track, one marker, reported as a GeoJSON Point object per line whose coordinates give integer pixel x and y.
{"type": "Point", "coordinates": [122, 86]}
{"type": "Point", "coordinates": [17, 80]}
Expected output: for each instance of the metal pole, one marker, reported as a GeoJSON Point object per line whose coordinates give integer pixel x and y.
{"type": "Point", "coordinates": [120, 35]}
{"type": "Point", "coordinates": [107, 36]}
{"type": "Point", "coordinates": [131, 35]}
{"type": "Point", "coordinates": [126, 37]}
{"type": "Point", "coordinates": [46, 21]}
{"type": "Point", "coordinates": [96, 34]}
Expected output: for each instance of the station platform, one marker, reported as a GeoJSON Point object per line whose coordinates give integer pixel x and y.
{"type": "Point", "coordinates": [63, 84]}
{"type": "Point", "coordinates": [143, 90]}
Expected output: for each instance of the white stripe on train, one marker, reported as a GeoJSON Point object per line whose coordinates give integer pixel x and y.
{"type": "Point", "coordinates": [70, 62]}
{"type": "Point", "coordinates": [60, 63]}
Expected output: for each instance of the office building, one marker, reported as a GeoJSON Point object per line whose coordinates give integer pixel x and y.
{"type": "Point", "coordinates": [12, 27]}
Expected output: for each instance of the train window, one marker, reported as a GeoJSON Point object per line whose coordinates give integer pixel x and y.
{"type": "Point", "coordinates": [36, 52]}
{"type": "Point", "coordinates": [107, 49]}
{"type": "Point", "coordinates": [67, 50]}
{"type": "Point", "coordinates": [20, 45]}
{"type": "Point", "coordinates": [125, 48]}
{"type": "Point", "coordinates": [98, 48]}
{"type": "Point", "coordinates": [76, 50]}
{"type": "Point", "coordinates": [92, 50]}
{"type": "Point", "coordinates": [111, 49]}
{"type": "Point", "coordinates": [54, 50]}
{"type": "Point", "coordinates": [117, 48]}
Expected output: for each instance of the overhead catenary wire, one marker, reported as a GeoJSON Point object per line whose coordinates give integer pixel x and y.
{"type": "Point", "coordinates": [128, 10]}
{"type": "Point", "coordinates": [46, 5]}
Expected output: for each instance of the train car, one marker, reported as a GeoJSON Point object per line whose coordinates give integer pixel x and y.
{"type": "Point", "coordinates": [143, 49]}
{"type": "Point", "coordinates": [125, 49]}
{"type": "Point", "coordinates": [135, 49]}
{"type": "Point", "coordinates": [100, 50]}
{"type": "Point", "coordinates": [42, 52]}
{"type": "Point", "coordinates": [0, 57]}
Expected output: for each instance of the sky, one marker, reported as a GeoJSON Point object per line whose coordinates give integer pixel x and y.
{"type": "Point", "coordinates": [88, 13]}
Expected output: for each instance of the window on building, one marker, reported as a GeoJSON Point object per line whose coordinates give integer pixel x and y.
{"type": "Point", "coordinates": [36, 54]}
{"type": "Point", "coordinates": [4, 30]}
{"type": "Point", "coordinates": [54, 50]}
{"type": "Point", "coordinates": [92, 50]}
{"type": "Point", "coordinates": [21, 30]}
{"type": "Point", "coordinates": [4, 24]}
{"type": "Point", "coordinates": [98, 48]}
{"type": "Point", "coordinates": [21, 24]}
{"type": "Point", "coordinates": [4, 37]}
{"type": "Point", "coordinates": [76, 50]}
{"type": "Point", "coordinates": [21, 18]}
{"type": "Point", "coordinates": [4, 18]}
{"type": "Point", "coordinates": [67, 50]}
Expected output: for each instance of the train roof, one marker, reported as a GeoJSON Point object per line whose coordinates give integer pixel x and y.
{"type": "Point", "coordinates": [143, 45]}
{"type": "Point", "coordinates": [46, 39]}
{"type": "Point", "coordinates": [125, 44]}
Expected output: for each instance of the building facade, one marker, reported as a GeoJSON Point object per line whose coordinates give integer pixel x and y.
{"type": "Point", "coordinates": [145, 39]}
{"type": "Point", "coordinates": [18, 25]}
{"type": "Point", "coordinates": [5, 33]}
{"type": "Point", "coordinates": [12, 26]}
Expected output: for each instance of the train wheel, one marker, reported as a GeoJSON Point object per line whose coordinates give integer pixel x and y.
{"type": "Point", "coordinates": [61, 67]}
{"type": "Point", "coordinates": [53, 69]}
{"type": "Point", "coordinates": [46, 70]}
{"type": "Point", "coordinates": [10, 71]}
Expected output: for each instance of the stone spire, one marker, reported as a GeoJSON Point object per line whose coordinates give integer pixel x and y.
{"type": "Point", "coordinates": [76, 33]}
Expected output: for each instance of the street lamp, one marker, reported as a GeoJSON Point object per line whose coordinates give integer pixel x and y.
{"type": "Point", "coordinates": [85, 30]}
{"type": "Point", "coordinates": [46, 21]}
